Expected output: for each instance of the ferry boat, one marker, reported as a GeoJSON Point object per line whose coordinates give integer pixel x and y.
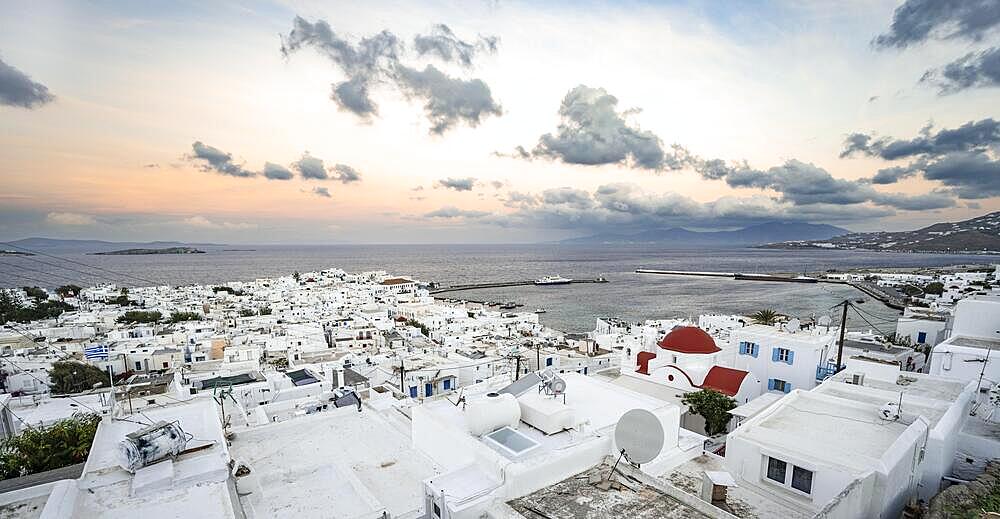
{"type": "Point", "coordinates": [540, 310]}
{"type": "Point", "coordinates": [553, 280]}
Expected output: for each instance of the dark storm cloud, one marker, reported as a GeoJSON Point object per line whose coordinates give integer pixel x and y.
{"type": "Point", "coordinates": [916, 21]}
{"type": "Point", "coordinates": [448, 100]}
{"type": "Point", "coordinates": [971, 175]}
{"type": "Point", "coordinates": [375, 60]}
{"type": "Point", "coordinates": [594, 132]}
{"type": "Point", "coordinates": [971, 136]}
{"type": "Point", "coordinates": [345, 174]}
{"type": "Point", "coordinates": [274, 171]}
{"type": "Point", "coordinates": [311, 167]}
{"type": "Point", "coordinates": [17, 89]}
{"type": "Point", "coordinates": [363, 64]}
{"type": "Point", "coordinates": [974, 70]}
{"type": "Point", "coordinates": [211, 159]}
{"type": "Point", "coordinates": [893, 174]}
{"type": "Point", "coordinates": [443, 43]}
{"type": "Point", "coordinates": [458, 184]}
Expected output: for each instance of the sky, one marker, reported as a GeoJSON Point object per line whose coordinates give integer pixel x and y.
{"type": "Point", "coordinates": [492, 121]}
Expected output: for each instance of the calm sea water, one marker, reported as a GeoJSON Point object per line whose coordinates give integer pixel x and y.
{"type": "Point", "coordinates": [568, 307]}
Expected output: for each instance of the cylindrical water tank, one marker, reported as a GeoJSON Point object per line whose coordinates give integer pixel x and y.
{"type": "Point", "coordinates": [151, 443]}
{"type": "Point", "coordinates": [488, 414]}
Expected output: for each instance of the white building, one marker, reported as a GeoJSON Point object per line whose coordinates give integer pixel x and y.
{"type": "Point", "coordinates": [784, 360]}
{"type": "Point", "coordinates": [968, 353]}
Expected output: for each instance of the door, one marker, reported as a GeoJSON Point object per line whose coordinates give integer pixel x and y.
{"type": "Point", "coordinates": [428, 389]}
{"type": "Point", "coordinates": [921, 337]}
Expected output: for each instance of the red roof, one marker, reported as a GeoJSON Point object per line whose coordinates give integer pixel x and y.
{"type": "Point", "coordinates": [396, 281]}
{"type": "Point", "coordinates": [689, 339]}
{"type": "Point", "coordinates": [642, 359]}
{"type": "Point", "coordinates": [724, 380]}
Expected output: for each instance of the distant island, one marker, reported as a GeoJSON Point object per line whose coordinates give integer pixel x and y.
{"type": "Point", "coordinates": [980, 235]}
{"type": "Point", "coordinates": [139, 252]}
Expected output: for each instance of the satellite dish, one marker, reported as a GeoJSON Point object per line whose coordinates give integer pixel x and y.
{"type": "Point", "coordinates": [889, 411]}
{"type": "Point", "coordinates": [825, 320]}
{"type": "Point", "coordinates": [793, 325]}
{"type": "Point", "coordinates": [640, 434]}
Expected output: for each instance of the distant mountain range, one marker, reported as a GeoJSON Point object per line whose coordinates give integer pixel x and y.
{"type": "Point", "coordinates": [760, 234]}
{"type": "Point", "coordinates": [50, 245]}
{"type": "Point", "coordinates": [977, 235]}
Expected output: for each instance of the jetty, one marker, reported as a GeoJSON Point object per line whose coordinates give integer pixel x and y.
{"type": "Point", "coordinates": [501, 284]}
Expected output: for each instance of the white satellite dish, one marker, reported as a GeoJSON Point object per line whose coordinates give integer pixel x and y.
{"type": "Point", "coordinates": [640, 434]}
{"type": "Point", "coordinates": [793, 325]}
{"type": "Point", "coordinates": [825, 320]}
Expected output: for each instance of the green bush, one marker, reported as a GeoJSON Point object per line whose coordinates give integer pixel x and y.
{"type": "Point", "coordinates": [73, 377]}
{"type": "Point", "coordinates": [61, 444]}
{"type": "Point", "coordinates": [13, 310]}
{"type": "Point", "coordinates": [177, 317]}
{"type": "Point", "coordinates": [713, 406]}
{"type": "Point", "coordinates": [139, 316]}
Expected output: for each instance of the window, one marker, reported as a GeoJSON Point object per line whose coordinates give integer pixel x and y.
{"type": "Point", "coordinates": [437, 511]}
{"type": "Point", "coordinates": [138, 366]}
{"type": "Point", "coordinates": [921, 337]}
{"type": "Point", "coordinates": [802, 479]}
{"type": "Point", "coordinates": [776, 469]}
{"type": "Point", "coordinates": [776, 384]}
{"type": "Point", "coordinates": [413, 391]}
{"type": "Point", "coordinates": [548, 361]}
{"type": "Point", "coordinates": [447, 384]}
{"type": "Point", "coordinates": [166, 365]}
{"type": "Point", "coordinates": [783, 355]}
{"type": "Point", "coordinates": [150, 402]}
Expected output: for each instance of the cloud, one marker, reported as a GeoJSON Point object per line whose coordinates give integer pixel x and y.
{"type": "Point", "coordinates": [345, 174]}
{"type": "Point", "coordinates": [375, 60]}
{"type": "Point", "coordinates": [974, 70]}
{"type": "Point", "coordinates": [363, 64]}
{"type": "Point", "coordinates": [916, 21]}
{"type": "Point", "coordinates": [594, 132]}
{"type": "Point", "coordinates": [274, 171]}
{"type": "Point", "coordinates": [450, 212]}
{"type": "Point", "coordinates": [322, 191]}
{"type": "Point", "coordinates": [448, 100]}
{"type": "Point", "coordinates": [443, 43]}
{"type": "Point", "coordinates": [458, 184]}
{"type": "Point", "coordinates": [73, 219]}
{"type": "Point", "coordinates": [310, 167]}
{"type": "Point", "coordinates": [204, 223]}
{"type": "Point", "coordinates": [215, 160]}
{"type": "Point", "coordinates": [17, 89]}
{"type": "Point", "coordinates": [971, 136]}
{"type": "Point", "coordinates": [971, 175]}
{"type": "Point", "coordinates": [893, 174]}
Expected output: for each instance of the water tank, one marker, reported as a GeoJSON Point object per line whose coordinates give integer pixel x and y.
{"type": "Point", "coordinates": [151, 443]}
{"type": "Point", "coordinates": [488, 414]}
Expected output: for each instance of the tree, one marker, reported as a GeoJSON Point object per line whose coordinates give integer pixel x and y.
{"type": "Point", "coordinates": [177, 317]}
{"type": "Point", "coordinates": [61, 444]}
{"type": "Point", "coordinates": [713, 406]}
{"type": "Point", "coordinates": [766, 316]}
{"type": "Point", "coordinates": [296, 276]}
{"type": "Point", "coordinates": [417, 324]}
{"type": "Point", "coordinates": [68, 291]}
{"type": "Point", "coordinates": [264, 310]}
{"type": "Point", "coordinates": [934, 287]}
{"type": "Point", "coordinates": [246, 312]}
{"type": "Point", "coordinates": [73, 377]}
{"type": "Point", "coordinates": [36, 293]}
{"type": "Point", "coordinates": [12, 309]}
{"type": "Point", "coordinates": [139, 316]}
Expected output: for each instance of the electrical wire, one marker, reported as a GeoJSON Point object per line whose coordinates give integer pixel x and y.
{"type": "Point", "coordinates": [32, 375]}
{"type": "Point", "coordinates": [22, 267]}
{"type": "Point", "coordinates": [144, 280]}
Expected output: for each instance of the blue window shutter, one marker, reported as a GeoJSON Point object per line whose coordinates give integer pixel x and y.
{"type": "Point", "coordinates": [743, 348]}
{"type": "Point", "coordinates": [791, 357]}
{"type": "Point", "coordinates": [770, 384]}
{"type": "Point", "coordinates": [428, 389]}
{"type": "Point", "coordinates": [754, 348]}
{"type": "Point", "coordinates": [413, 391]}
{"type": "Point", "coordinates": [774, 354]}
{"type": "Point", "coordinates": [788, 387]}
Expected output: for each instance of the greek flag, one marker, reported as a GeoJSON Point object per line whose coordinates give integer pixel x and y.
{"type": "Point", "coordinates": [96, 352]}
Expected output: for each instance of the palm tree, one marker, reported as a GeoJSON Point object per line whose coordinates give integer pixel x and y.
{"type": "Point", "coordinates": [766, 316]}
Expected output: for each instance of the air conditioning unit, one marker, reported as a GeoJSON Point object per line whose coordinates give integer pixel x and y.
{"type": "Point", "coordinates": [858, 379]}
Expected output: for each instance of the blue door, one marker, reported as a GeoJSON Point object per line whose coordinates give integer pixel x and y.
{"type": "Point", "coordinates": [921, 337]}
{"type": "Point", "coordinates": [447, 384]}
{"type": "Point", "coordinates": [413, 391]}
{"type": "Point", "coordinates": [428, 389]}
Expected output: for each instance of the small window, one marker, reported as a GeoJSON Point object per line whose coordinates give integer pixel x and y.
{"type": "Point", "coordinates": [802, 479]}
{"type": "Point", "coordinates": [776, 470]}
{"type": "Point", "coordinates": [150, 402]}
{"type": "Point", "coordinates": [783, 354]}
{"type": "Point", "coordinates": [166, 365]}
{"type": "Point", "coordinates": [437, 511]}
{"type": "Point", "coordinates": [780, 385]}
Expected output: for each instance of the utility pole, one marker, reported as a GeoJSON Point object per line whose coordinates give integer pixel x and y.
{"type": "Point", "coordinates": [402, 371]}
{"type": "Point", "coordinates": [843, 328]}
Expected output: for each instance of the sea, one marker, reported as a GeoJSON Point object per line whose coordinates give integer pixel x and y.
{"type": "Point", "coordinates": [570, 308]}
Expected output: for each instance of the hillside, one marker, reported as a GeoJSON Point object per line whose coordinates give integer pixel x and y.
{"type": "Point", "coordinates": [754, 235]}
{"type": "Point", "coordinates": [976, 235]}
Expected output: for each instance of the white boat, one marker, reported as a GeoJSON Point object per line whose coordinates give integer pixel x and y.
{"type": "Point", "coordinates": [539, 310]}
{"type": "Point", "coordinates": [553, 280]}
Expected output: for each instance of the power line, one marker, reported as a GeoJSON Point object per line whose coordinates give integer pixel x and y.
{"type": "Point", "coordinates": [71, 269]}
{"type": "Point", "coordinates": [29, 278]}
{"type": "Point", "coordinates": [22, 267]}
{"type": "Point", "coordinates": [46, 384]}
{"type": "Point", "coordinates": [144, 280]}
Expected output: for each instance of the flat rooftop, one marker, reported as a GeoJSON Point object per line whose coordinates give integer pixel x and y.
{"type": "Point", "coordinates": [577, 498]}
{"type": "Point", "coordinates": [740, 501]}
{"type": "Point", "coordinates": [823, 428]}
{"type": "Point", "coordinates": [974, 342]}
{"type": "Point", "coordinates": [338, 463]}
